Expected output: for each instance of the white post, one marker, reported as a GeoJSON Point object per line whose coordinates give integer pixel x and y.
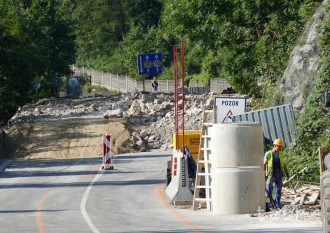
{"type": "Point", "coordinates": [118, 82]}
{"type": "Point", "coordinates": [102, 78]}
{"type": "Point", "coordinates": [136, 87]}
{"type": "Point", "coordinates": [126, 83]}
{"type": "Point", "coordinates": [167, 86]}
{"type": "Point", "coordinates": [92, 75]}
{"type": "Point", "coordinates": [110, 81]}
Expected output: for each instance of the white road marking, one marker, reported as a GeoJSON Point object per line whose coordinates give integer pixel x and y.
{"type": "Point", "coordinates": [84, 200]}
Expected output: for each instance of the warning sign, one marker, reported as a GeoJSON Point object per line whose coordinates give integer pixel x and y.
{"type": "Point", "coordinates": [228, 116]}
{"type": "Point", "coordinates": [229, 106]}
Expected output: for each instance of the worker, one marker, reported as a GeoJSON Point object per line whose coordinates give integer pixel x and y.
{"type": "Point", "coordinates": [154, 84]}
{"type": "Point", "coordinates": [275, 169]}
{"type": "Point", "coordinates": [191, 162]}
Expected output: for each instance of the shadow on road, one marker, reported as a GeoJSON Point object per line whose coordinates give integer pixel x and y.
{"type": "Point", "coordinates": [82, 184]}
{"type": "Point", "coordinates": [28, 211]}
{"type": "Point", "coordinates": [268, 230]}
{"type": "Point", "coordinates": [73, 168]}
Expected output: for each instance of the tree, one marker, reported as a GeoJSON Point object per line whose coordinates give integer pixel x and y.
{"type": "Point", "coordinates": [35, 43]}
{"type": "Point", "coordinates": [53, 40]}
{"type": "Point", "coordinates": [100, 25]}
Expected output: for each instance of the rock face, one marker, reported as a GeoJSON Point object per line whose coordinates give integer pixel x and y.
{"type": "Point", "coordinates": [303, 66]}
{"type": "Point", "coordinates": [151, 115]}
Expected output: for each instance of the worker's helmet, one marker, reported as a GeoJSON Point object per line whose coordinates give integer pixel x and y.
{"type": "Point", "coordinates": [278, 142]}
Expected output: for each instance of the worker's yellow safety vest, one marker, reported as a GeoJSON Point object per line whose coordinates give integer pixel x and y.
{"type": "Point", "coordinates": [269, 171]}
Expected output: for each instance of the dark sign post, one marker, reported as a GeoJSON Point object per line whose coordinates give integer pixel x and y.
{"type": "Point", "coordinates": [57, 84]}
{"type": "Point", "coordinates": [150, 63]}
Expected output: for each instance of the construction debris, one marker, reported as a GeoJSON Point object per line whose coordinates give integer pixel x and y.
{"type": "Point", "coordinates": [305, 195]}
{"type": "Point", "coordinates": [303, 205]}
{"type": "Point", "coordinates": [151, 113]}
{"type": "Point", "coordinates": [301, 212]}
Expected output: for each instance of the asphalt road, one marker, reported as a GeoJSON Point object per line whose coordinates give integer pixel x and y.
{"type": "Point", "coordinates": [72, 195]}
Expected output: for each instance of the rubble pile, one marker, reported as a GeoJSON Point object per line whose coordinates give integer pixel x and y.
{"type": "Point", "coordinates": [302, 203]}
{"type": "Point", "coordinates": [300, 212]}
{"type": "Point", "coordinates": [152, 113]}
{"type": "Point", "coordinates": [305, 195]}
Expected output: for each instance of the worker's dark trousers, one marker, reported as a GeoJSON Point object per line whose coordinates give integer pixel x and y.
{"type": "Point", "coordinates": [277, 180]}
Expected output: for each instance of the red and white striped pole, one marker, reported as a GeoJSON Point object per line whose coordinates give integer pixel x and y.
{"type": "Point", "coordinates": [107, 159]}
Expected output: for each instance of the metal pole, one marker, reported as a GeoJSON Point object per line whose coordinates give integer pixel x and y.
{"type": "Point", "coordinates": [182, 88]}
{"type": "Point", "coordinates": [175, 66]}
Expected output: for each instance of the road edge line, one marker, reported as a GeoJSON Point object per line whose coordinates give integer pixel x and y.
{"type": "Point", "coordinates": [40, 225]}
{"type": "Point", "coordinates": [178, 216]}
{"type": "Point", "coordinates": [84, 200]}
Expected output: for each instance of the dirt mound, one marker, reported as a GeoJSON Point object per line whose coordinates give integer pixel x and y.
{"type": "Point", "coordinates": [73, 137]}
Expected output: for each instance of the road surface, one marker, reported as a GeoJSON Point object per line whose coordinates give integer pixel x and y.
{"type": "Point", "coordinates": [72, 195]}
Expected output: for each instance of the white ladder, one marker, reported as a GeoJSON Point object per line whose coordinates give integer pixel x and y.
{"type": "Point", "coordinates": [204, 160]}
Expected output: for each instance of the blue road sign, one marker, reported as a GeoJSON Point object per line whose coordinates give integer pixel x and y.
{"type": "Point", "coordinates": [150, 63]}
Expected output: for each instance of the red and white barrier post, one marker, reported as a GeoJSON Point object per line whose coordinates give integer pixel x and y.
{"type": "Point", "coordinates": [107, 159]}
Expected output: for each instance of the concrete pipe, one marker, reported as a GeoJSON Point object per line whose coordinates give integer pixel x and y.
{"type": "Point", "coordinates": [236, 144]}
{"type": "Point", "coordinates": [238, 190]}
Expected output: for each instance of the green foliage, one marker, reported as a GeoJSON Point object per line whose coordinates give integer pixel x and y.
{"type": "Point", "coordinates": [36, 43]}
{"type": "Point", "coordinates": [98, 90]}
{"type": "Point", "coordinates": [100, 25]}
{"type": "Point", "coordinates": [144, 13]}
{"type": "Point", "coordinates": [204, 78]}
{"type": "Point", "coordinates": [246, 42]}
